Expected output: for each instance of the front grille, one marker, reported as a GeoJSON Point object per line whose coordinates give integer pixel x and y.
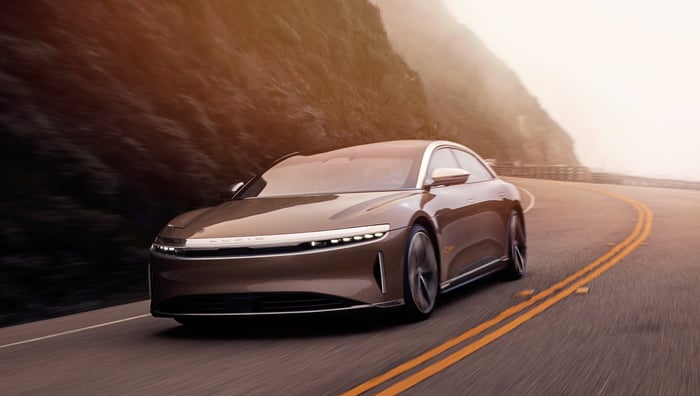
{"type": "Point", "coordinates": [228, 252]}
{"type": "Point", "coordinates": [252, 303]}
{"type": "Point", "coordinates": [232, 252]}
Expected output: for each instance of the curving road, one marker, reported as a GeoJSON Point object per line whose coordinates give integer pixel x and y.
{"type": "Point", "coordinates": [610, 305]}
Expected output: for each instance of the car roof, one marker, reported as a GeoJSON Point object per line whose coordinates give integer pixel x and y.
{"type": "Point", "coordinates": [407, 143]}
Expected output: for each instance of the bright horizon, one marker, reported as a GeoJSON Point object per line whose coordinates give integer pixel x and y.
{"type": "Point", "coordinates": [622, 78]}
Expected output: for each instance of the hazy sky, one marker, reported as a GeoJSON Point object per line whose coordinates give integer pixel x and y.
{"type": "Point", "coordinates": [621, 76]}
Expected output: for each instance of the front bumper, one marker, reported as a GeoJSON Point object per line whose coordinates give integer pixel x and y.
{"type": "Point", "coordinates": [357, 276]}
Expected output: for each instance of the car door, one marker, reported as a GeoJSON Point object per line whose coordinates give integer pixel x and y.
{"type": "Point", "coordinates": [489, 207]}
{"type": "Point", "coordinates": [456, 218]}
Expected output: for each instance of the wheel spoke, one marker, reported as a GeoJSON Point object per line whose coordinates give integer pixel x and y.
{"type": "Point", "coordinates": [519, 261]}
{"type": "Point", "coordinates": [517, 249]}
{"type": "Point", "coordinates": [517, 245]}
{"type": "Point", "coordinates": [424, 288]}
{"type": "Point", "coordinates": [421, 272]}
{"type": "Point", "coordinates": [415, 257]}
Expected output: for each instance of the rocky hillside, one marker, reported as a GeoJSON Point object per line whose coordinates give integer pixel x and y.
{"type": "Point", "coordinates": [116, 115]}
{"type": "Point", "coordinates": [476, 98]}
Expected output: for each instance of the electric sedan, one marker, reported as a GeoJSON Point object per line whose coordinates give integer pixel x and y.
{"type": "Point", "coordinates": [386, 225]}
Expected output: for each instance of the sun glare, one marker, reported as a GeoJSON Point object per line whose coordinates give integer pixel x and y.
{"type": "Point", "coordinates": [620, 77]}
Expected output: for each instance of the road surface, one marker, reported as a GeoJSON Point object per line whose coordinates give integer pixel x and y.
{"type": "Point", "coordinates": [610, 305]}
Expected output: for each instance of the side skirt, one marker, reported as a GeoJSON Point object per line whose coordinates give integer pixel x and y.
{"type": "Point", "coordinates": [468, 277]}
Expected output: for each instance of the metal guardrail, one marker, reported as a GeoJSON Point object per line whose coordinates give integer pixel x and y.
{"type": "Point", "coordinates": [569, 173]}
{"type": "Point", "coordinates": [582, 174]}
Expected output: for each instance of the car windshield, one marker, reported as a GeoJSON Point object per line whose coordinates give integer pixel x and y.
{"type": "Point", "coordinates": [353, 169]}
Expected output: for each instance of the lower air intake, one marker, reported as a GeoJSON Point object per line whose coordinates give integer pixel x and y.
{"type": "Point", "coordinates": [252, 303]}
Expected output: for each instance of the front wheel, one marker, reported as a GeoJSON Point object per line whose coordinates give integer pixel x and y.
{"type": "Point", "coordinates": [420, 275]}
{"type": "Point", "coordinates": [517, 248]}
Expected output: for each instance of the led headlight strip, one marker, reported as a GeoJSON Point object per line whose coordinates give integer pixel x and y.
{"type": "Point", "coordinates": [168, 245]}
{"type": "Point", "coordinates": [345, 240]}
{"type": "Point", "coordinates": [315, 239]}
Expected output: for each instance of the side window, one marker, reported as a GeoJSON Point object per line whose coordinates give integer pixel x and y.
{"type": "Point", "coordinates": [477, 170]}
{"type": "Point", "coordinates": [442, 158]}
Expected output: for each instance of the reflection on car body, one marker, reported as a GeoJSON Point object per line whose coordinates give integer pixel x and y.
{"type": "Point", "coordinates": [371, 226]}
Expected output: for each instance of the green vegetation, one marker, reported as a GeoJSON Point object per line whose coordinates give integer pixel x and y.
{"type": "Point", "coordinates": [117, 115]}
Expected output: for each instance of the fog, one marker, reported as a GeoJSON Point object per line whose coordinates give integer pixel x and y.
{"type": "Point", "coordinates": [620, 77]}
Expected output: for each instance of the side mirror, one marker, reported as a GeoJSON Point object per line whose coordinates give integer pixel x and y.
{"type": "Point", "coordinates": [236, 187]}
{"type": "Point", "coordinates": [228, 194]}
{"type": "Point", "coordinates": [449, 176]}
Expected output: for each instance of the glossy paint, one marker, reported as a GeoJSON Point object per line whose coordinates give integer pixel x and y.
{"type": "Point", "coordinates": [467, 222]}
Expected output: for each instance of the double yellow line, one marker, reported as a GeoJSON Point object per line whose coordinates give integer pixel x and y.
{"type": "Point", "coordinates": [545, 298]}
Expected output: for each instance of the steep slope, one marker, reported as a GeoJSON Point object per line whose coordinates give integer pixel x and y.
{"type": "Point", "coordinates": [117, 115]}
{"type": "Point", "coordinates": [475, 97]}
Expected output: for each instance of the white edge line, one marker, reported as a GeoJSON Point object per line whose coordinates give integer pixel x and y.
{"type": "Point", "coordinates": [532, 199]}
{"type": "Point", "coordinates": [73, 331]}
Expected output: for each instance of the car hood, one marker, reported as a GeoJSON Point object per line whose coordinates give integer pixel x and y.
{"type": "Point", "coordinates": [294, 214]}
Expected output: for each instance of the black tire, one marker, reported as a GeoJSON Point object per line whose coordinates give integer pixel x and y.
{"type": "Point", "coordinates": [517, 248]}
{"type": "Point", "coordinates": [421, 275]}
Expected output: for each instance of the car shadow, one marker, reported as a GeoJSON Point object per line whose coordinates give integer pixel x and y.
{"type": "Point", "coordinates": [285, 327]}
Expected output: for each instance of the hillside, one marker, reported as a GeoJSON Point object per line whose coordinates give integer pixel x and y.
{"type": "Point", "coordinates": [476, 98]}
{"type": "Point", "coordinates": [117, 115]}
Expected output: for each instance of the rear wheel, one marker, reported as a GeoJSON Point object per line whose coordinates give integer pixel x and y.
{"type": "Point", "coordinates": [420, 275]}
{"type": "Point", "coordinates": [517, 248]}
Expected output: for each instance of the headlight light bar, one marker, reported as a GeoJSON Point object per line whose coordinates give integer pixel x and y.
{"type": "Point", "coordinates": [270, 243]}
{"type": "Point", "coordinates": [345, 240]}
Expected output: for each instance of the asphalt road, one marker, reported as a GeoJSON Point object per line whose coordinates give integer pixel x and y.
{"type": "Point", "coordinates": [632, 329]}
